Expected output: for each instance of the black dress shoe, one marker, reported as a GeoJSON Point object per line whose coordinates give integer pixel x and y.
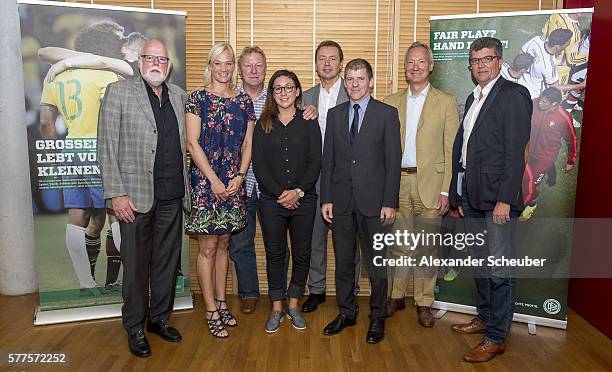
{"type": "Point", "coordinates": [138, 344]}
{"type": "Point", "coordinates": [163, 329]}
{"type": "Point", "coordinates": [376, 332]}
{"type": "Point", "coordinates": [337, 325]}
{"type": "Point", "coordinates": [312, 302]}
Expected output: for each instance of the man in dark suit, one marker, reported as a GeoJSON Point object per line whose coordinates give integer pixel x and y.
{"type": "Point", "coordinates": [360, 181]}
{"type": "Point", "coordinates": [488, 166]}
{"type": "Point", "coordinates": [141, 150]}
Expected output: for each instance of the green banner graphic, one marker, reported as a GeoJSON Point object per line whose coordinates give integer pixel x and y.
{"type": "Point", "coordinates": [71, 53]}
{"type": "Point", "coordinates": [549, 186]}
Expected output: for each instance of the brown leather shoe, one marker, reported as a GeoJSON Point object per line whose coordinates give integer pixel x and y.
{"type": "Point", "coordinates": [425, 317]}
{"type": "Point", "coordinates": [395, 304]}
{"type": "Point", "coordinates": [248, 305]}
{"type": "Point", "coordinates": [472, 327]}
{"type": "Point", "coordinates": [484, 351]}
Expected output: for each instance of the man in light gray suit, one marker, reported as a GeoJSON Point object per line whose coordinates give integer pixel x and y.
{"type": "Point", "coordinates": [329, 93]}
{"type": "Point", "coordinates": [141, 151]}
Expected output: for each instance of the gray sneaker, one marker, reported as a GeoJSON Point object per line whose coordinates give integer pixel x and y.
{"type": "Point", "coordinates": [297, 320]}
{"type": "Point", "coordinates": [274, 321]}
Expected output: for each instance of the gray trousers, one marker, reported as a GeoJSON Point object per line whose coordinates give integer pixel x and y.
{"type": "Point", "coordinates": [317, 274]}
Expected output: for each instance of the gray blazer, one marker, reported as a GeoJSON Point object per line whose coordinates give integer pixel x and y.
{"type": "Point", "coordinates": [127, 140]}
{"type": "Point", "coordinates": [311, 96]}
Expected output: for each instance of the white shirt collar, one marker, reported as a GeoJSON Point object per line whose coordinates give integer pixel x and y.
{"type": "Point", "coordinates": [422, 93]}
{"type": "Point", "coordinates": [486, 89]}
{"type": "Point", "coordinates": [334, 89]}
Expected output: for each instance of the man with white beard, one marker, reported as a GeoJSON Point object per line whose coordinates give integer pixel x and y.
{"type": "Point", "coordinates": [141, 151]}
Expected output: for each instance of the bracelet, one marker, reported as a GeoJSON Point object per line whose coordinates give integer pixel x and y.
{"type": "Point", "coordinates": [240, 174]}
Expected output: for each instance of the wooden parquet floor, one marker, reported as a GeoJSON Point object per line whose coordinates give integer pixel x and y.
{"type": "Point", "coordinates": [102, 345]}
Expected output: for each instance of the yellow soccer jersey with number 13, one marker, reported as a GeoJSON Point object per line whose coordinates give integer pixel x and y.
{"type": "Point", "coordinates": [77, 95]}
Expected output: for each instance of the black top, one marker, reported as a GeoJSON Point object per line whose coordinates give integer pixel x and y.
{"type": "Point", "coordinates": [168, 168]}
{"type": "Point", "coordinates": [288, 157]}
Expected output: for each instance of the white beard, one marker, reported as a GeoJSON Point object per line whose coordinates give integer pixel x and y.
{"type": "Point", "coordinates": [155, 79]}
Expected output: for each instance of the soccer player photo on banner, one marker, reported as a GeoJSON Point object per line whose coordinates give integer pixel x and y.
{"type": "Point", "coordinates": [547, 53]}
{"type": "Point", "coordinates": [70, 54]}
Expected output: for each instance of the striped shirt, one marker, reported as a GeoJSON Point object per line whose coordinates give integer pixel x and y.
{"type": "Point", "coordinates": [258, 105]}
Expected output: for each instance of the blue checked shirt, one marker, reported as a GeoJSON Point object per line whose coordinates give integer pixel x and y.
{"type": "Point", "coordinates": [258, 105]}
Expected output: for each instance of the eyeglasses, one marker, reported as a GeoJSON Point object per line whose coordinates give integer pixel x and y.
{"type": "Point", "coordinates": [287, 89]}
{"type": "Point", "coordinates": [486, 59]}
{"type": "Point", "coordinates": [160, 59]}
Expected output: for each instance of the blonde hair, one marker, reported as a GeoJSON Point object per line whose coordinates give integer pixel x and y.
{"type": "Point", "coordinates": [250, 50]}
{"type": "Point", "coordinates": [215, 51]}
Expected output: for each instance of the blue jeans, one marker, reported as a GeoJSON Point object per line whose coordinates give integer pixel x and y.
{"type": "Point", "coordinates": [495, 285]}
{"type": "Point", "coordinates": [242, 252]}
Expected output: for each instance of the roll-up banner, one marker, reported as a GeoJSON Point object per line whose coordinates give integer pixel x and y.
{"type": "Point", "coordinates": [547, 52]}
{"type": "Point", "coordinates": [71, 52]}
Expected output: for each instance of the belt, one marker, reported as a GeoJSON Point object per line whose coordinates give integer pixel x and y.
{"type": "Point", "coordinates": [409, 170]}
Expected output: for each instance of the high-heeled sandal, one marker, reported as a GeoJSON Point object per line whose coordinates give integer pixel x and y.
{"type": "Point", "coordinates": [216, 326]}
{"type": "Point", "coordinates": [226, 316]}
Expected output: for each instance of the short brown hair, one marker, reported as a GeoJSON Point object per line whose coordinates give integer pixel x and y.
{"type": "Point", "coordinates": [358, 64]}
{"type": "Point", "coordinates": [329, 43]}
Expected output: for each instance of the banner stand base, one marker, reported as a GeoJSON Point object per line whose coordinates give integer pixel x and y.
{"type": "Point", "coordinates": [531, 328]}
{"type": "Point", "coordinates": [523, 318]}
{"type": "Point", "coordinates": [95, 312]}
{"type": "Point", "coordinates": [439, 314]}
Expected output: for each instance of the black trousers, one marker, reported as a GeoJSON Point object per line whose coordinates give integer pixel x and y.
{"type": "Point", "coordinates": [150, 251]}
{"type": "Point", "coordinates": [275, 221]}
{"type": "Point", "coordinates": [345, 228]}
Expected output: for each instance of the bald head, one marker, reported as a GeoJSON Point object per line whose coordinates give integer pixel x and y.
{"type": "Point", "coordinates": [154, 62]}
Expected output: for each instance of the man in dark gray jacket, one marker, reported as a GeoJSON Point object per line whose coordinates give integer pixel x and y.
{"type": "Point", "coordinates": [325, 95]}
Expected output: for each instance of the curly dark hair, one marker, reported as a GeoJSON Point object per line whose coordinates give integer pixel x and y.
{"type": "Point", "coordinates": [102, 38]}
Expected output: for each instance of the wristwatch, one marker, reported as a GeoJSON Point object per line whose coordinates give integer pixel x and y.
{"type": "Point", "coordinates": [299, 192]}
{"type": "Point", "coordinates": [240, 174]}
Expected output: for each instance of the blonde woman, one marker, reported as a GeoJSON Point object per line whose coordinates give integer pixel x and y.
{"type": "Point", "coordinates": [220, 125]}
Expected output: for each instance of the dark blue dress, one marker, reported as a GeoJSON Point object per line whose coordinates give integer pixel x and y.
{"type": "Point", "coordinates": [224, 126]}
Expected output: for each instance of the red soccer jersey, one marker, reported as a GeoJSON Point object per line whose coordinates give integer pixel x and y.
{"type": "Point", "coordinates": [547, 130]}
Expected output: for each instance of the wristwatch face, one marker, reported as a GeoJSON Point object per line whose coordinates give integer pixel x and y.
{"type": "Point", "coordinates": [300, 193]}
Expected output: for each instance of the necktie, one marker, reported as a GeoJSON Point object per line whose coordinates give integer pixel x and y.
{"type": "Point", "coordinates": [354, 124]}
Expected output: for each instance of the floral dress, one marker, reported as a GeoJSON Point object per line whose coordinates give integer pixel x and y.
{"type": "Point", "coordinates": [223, 129]}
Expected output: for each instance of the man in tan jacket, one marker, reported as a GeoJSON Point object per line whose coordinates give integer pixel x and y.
{"type": "Point", "coordinates": [429, 120]}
